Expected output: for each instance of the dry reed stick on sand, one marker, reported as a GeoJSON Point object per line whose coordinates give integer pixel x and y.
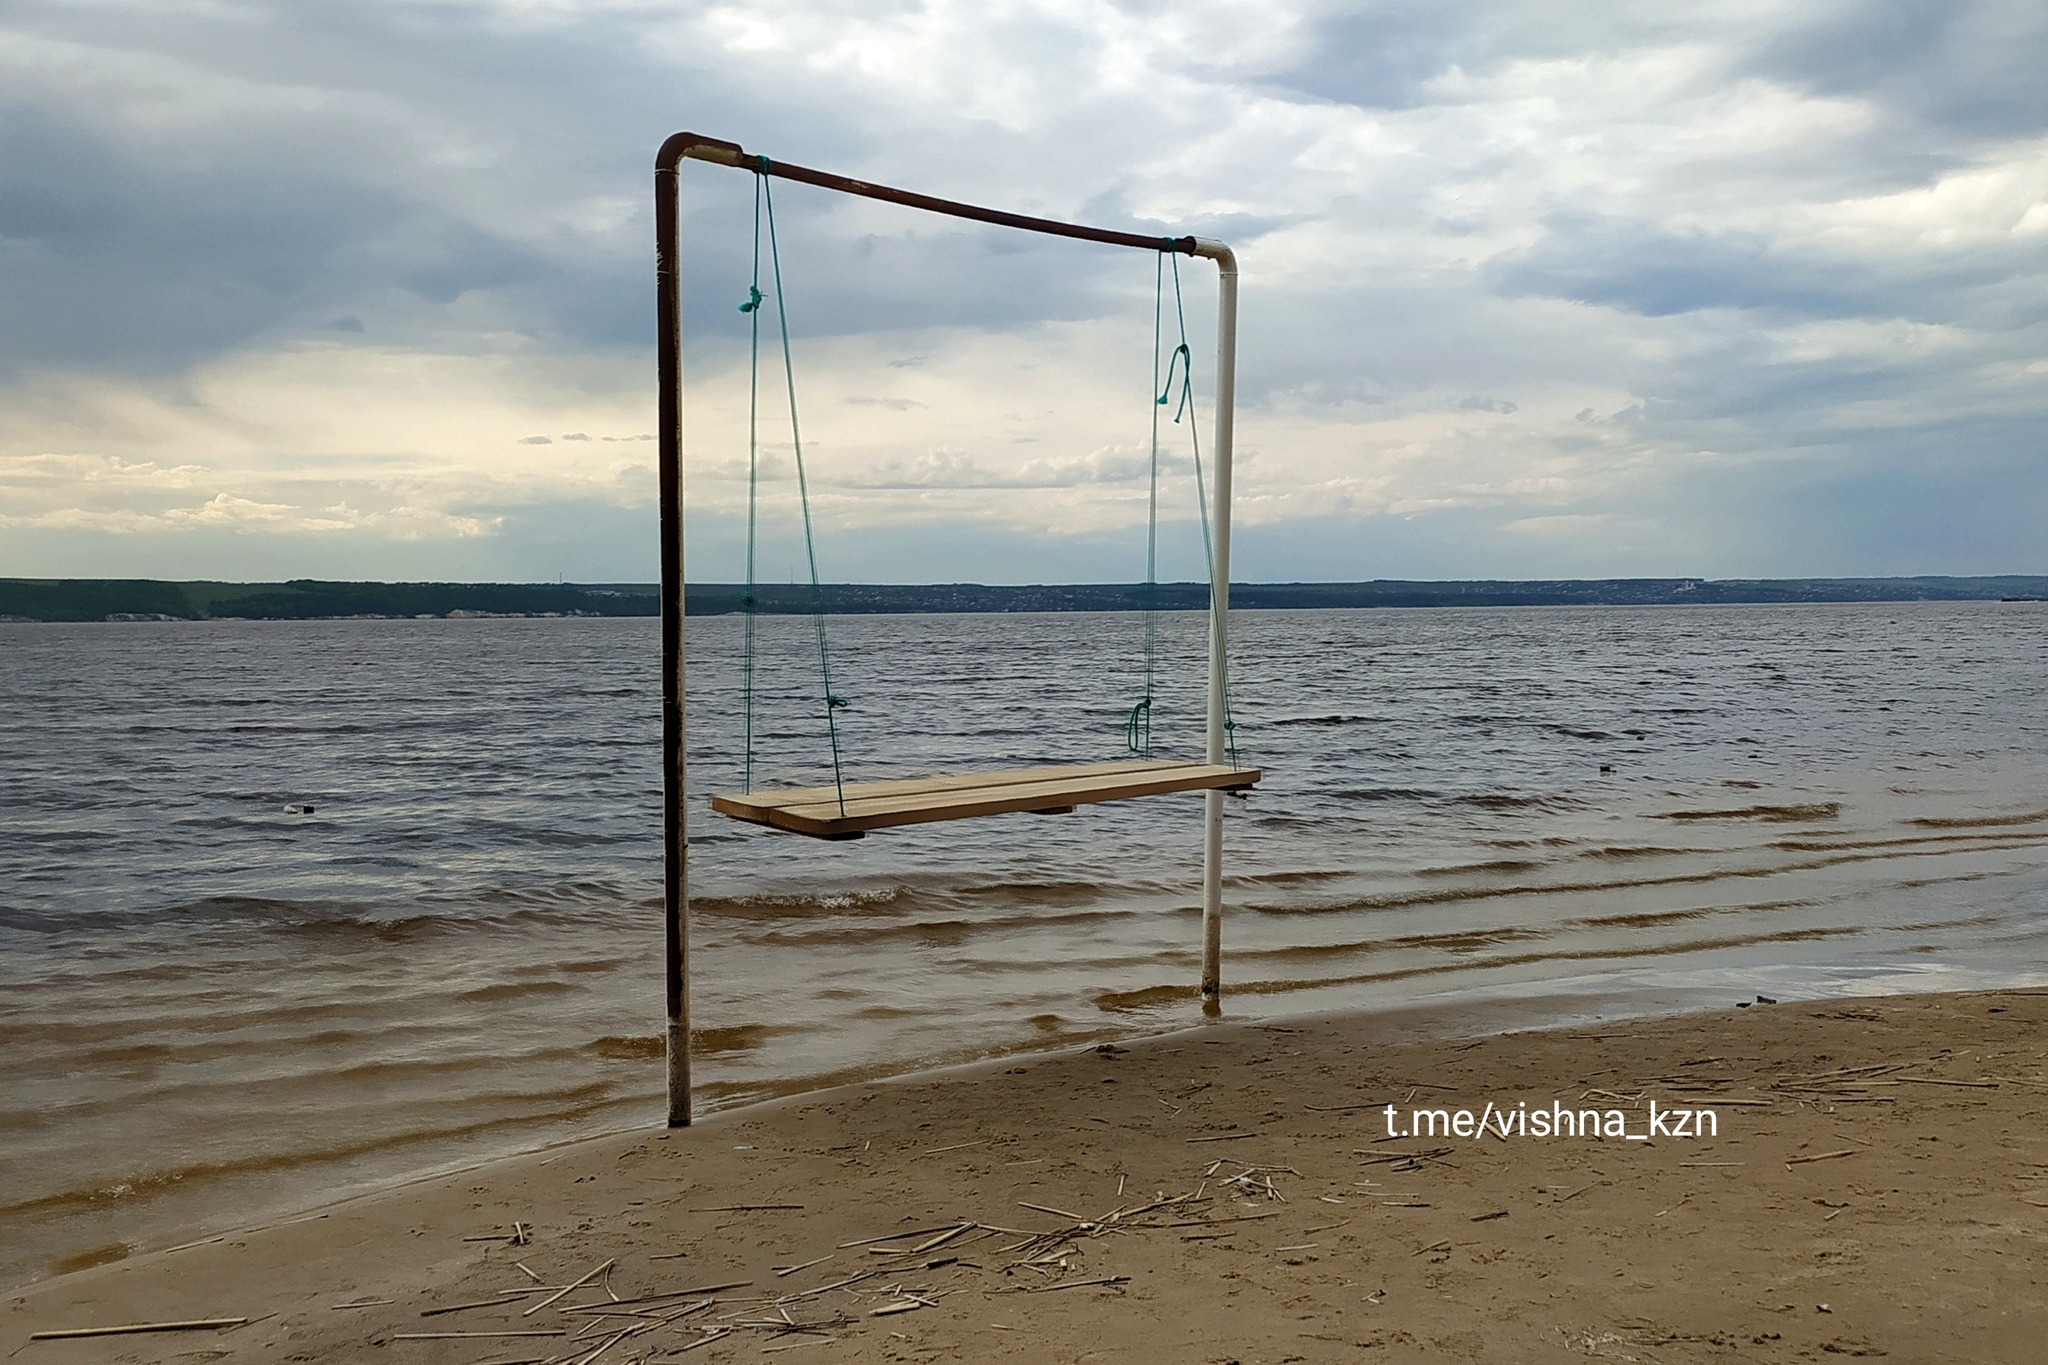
{"type": "Point", "coordinates": [1824, 1156]}
{"type": "Point", "coordinates": [450, 1336]}
{"type": "Point", "coordinates": [1081, 1284]}
{"type": "Point", "coordinates": [781, 1270]}
{"type": "Point", "coordinates": [666, 1294]}
{"type": "Point", "coordinates": [940, 1240]}
{"type": "Point", "coordinates": [567, 1288]}
{"type": "Point", "coordinates": [130, 1328]}
{"type": "Point", "coordinates": [1213, 1222]}
{"type": "Point", "coordinates": [895, 1236]}
{"type": "Point", "coordinates": [827, 1288]}
{"type": "Point", "coordinates": [502, 1301]}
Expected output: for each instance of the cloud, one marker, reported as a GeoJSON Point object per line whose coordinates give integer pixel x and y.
{"type": "Point", "coordinates": [1721, 290]}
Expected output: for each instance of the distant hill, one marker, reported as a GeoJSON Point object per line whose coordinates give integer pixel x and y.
{"type": "Point", "coordinates": [129, 599]}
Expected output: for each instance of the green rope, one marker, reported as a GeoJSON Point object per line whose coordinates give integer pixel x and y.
{"type": "Point", "coordinates": [765, 211]}
{"type": "Point", "coordinates": [1182, 353]}
{"type": "Point", "coordinates": [752, 308]}
{"type": "Point", "coordinates": [1138, 723]}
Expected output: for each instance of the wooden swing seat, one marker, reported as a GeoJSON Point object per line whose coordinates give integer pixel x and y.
{"type": "Point", "coordinates": [818, 811]}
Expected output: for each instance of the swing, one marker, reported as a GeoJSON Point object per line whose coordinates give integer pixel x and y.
{"type": "Point", "coordinates": [845, 810]}
{"type": "Point", "coordinates": [842, 810]}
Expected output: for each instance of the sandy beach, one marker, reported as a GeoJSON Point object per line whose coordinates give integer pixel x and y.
{"type": "Point", "coordinates": [1873, 1182]}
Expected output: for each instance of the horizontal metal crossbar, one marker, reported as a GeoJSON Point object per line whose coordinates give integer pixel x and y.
{"type": "Point", "coordinates": [697, 147]}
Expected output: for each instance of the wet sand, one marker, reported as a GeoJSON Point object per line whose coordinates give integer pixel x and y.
{"type": "Point", "coordinates": [1877, 1185]}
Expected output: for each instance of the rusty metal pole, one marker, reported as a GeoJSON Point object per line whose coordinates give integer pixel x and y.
{"type": "Point", "coordinates": [674, 750]}
{"type": "Point", "coordinates": [675, 848]}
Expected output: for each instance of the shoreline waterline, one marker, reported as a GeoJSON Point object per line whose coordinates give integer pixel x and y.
{"type": "Point", "coordinates": [1448, 1018]}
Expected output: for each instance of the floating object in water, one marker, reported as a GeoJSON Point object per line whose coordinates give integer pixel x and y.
{"type": "Point", "coordinates": [299, 808]}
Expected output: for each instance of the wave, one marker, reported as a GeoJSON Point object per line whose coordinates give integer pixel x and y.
{"type": "Point", "coordinates": [1380, 794]}
{"type": "Point", "coordinates": [1295, 877]}
{"type": "Point", "coordinates": [1507, 801]}
{"type": "Point", "coordinates": [521, 1109]}
{"type": "Point", "coordinates": [1978, 821]}
{"type": "Point", "coordinates": [1398, 900]}
{"type": "Point", "coordinates": [389, 920]}
{"type": "Point", "coordinates": [514, 990]}
{"type": "Point", "coordinates": [908, 900]}
{"type": "Point", "coordinates": [1986, 841]}
{"type": "Point", "coordinates": [1815, 810]}
{"type": "Point", "coordinates": [1624, 852]}
{"type": "Point", "coordinates": [1497, 867]}
{"type": "Point", "coordinates": [1150, 996]}
{"type": "Point", "coordinates": [928, 931]}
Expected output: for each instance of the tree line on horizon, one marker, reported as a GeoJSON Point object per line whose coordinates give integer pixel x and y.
{"type": "Point", "coordinates": [130, 599]}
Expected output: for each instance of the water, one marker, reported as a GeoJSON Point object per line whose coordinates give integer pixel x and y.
{"type": "Point", "coordinates": [215, 1010]}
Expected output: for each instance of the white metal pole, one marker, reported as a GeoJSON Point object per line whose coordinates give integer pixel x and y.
{"type": "Point", "coordinates": [1219, 613]}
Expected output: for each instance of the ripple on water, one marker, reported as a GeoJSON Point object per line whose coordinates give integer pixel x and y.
{"type": "Point", "coordinates": [212, 1008]}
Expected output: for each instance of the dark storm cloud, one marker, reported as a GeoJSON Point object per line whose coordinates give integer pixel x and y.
{"type": "Point", "coordinates": [302, 165]}
{"type": "Point", "coordinates": [1644, 268]}
{"type": "Point", "coordinates": [1383, 56]}
{"type": "Point", "coordinates": [278, 217]}
{"type": "Point", "coordinates": [1966, 66]}
{"type": "Point", "coordinates": [110, 259]}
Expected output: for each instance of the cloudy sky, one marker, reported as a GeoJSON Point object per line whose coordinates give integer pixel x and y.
{"type": "Point", "coordinates": [1531, 289]}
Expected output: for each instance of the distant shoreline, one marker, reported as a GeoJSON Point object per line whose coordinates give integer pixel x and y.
{"type": "Point", "coordinates": [147, 599]}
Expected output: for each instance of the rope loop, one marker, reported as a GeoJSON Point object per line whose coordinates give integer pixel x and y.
{"type": "Point", "coordinates": [1138, 729]}
{"type": "Point", "coordinates": [1184, 358]}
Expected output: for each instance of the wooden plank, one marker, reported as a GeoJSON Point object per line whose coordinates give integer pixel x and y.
{"type": "Point", "coordinates": [804, 796]}
{"type": "Point", "coordinates": [817, 811]}
{"type": "Point", "coordinates": [955, 801]}
{"type": "Point", "coordinates": [1022, 796]}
